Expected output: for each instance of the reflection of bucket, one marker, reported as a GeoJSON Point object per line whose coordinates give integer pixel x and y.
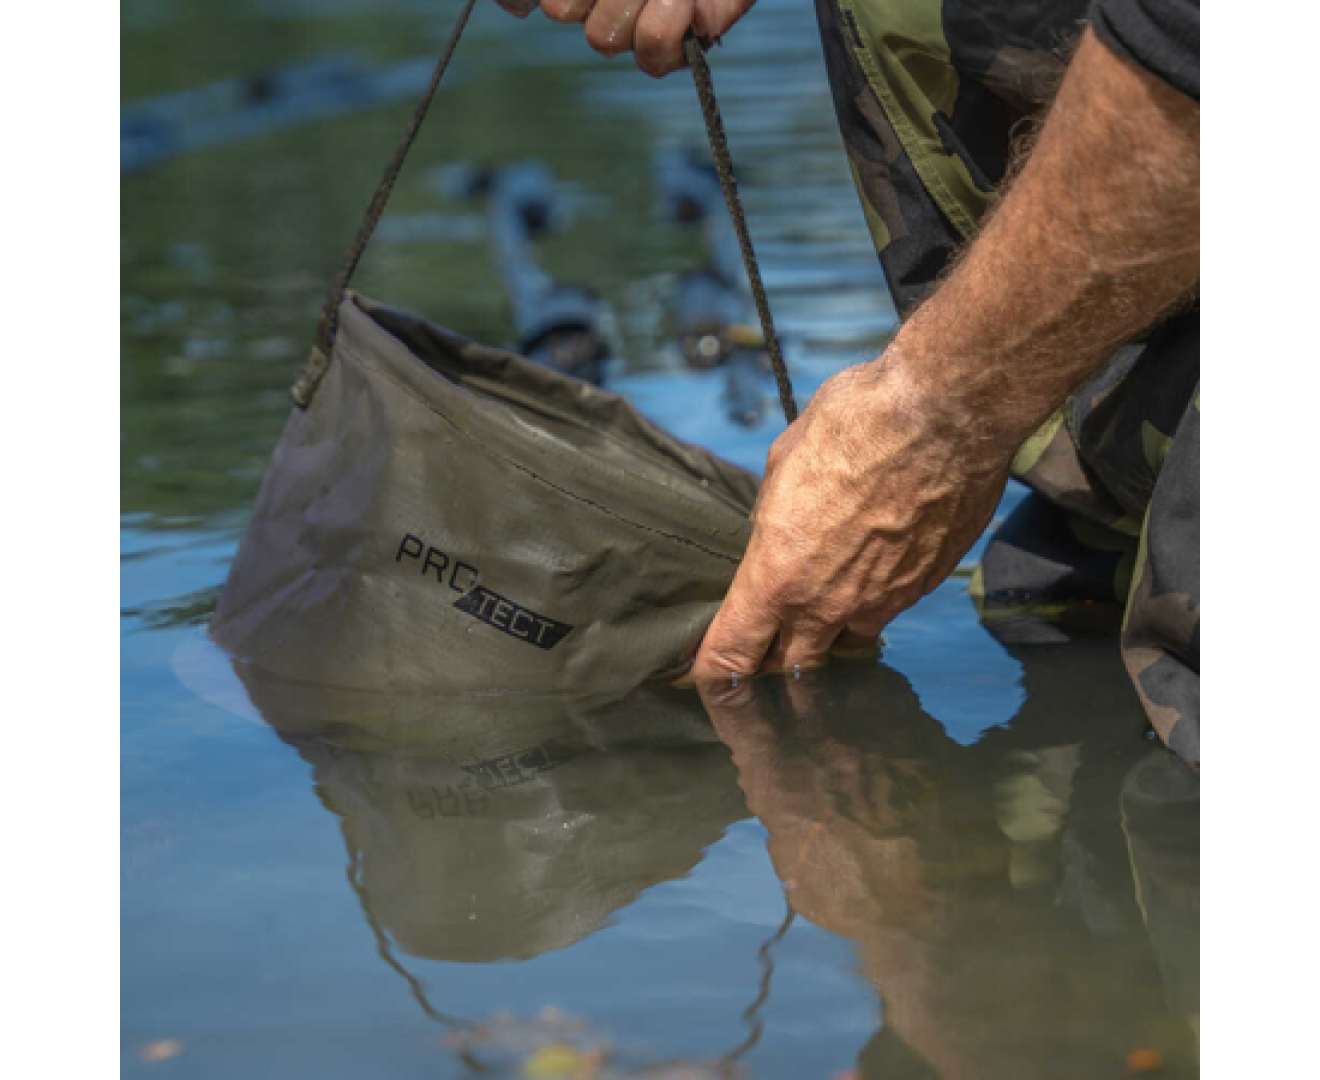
{"type": "Point", "coordinates": [496, 827]}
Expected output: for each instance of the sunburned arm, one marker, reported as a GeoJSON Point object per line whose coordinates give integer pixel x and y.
{"type": "Point", "coordinates": [1098, 237]}
{"type": "Point", "coordinates": [896, 466]}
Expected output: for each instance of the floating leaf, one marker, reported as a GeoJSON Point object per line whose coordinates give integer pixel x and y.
{"type": "Point", "coordinates": [559, 1061]}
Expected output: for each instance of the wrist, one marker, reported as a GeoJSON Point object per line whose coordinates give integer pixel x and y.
{"type": "Point", "coordinates": [958, 397]}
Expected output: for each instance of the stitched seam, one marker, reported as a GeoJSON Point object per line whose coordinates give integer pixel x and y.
{"type": "Point", "coordinates": [913, 141]}
{"type": "Point", "coordinates": [658, 459]}
{"type": "Point", "coordinates": [409, 392]}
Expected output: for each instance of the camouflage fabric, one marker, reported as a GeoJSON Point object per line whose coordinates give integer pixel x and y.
{"type": "Point", "coordinates": [930, 97]}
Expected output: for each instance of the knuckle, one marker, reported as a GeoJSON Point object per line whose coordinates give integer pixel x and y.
{"type": "Point", "coordinates": [777, 588]}
{"type": "Point", "coordinates": [723, 660]}
{"type": "Point", "coordinates": [834, 610]}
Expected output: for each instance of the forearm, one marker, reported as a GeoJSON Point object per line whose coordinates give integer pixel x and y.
{"type": "Point", "coordinates": [1096, 239]}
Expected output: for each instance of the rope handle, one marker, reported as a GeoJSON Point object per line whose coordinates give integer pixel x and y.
{"type": "Point", "coordinates": [695, 49]}
{"type": "Point", "coordinates": [318, 363]}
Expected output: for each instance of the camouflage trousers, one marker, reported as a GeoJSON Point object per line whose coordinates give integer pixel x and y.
{"type": "Point", "coordinates": [1110, 534]}
{"type": "Point", "coordinates": [929, 95]}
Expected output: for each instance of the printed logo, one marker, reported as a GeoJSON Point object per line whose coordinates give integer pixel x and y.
{"type": "Point", "coordinates": [461, 576]}
{"type": "Point", "coordinates": [514, 619]}
{"type": "Point", "coordinates": [491, 608]}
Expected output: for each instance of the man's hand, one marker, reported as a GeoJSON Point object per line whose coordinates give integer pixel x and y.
{"type": "Point", "coordinates": [869, 501]}
{"type": "Point", "coordinates": [653, 29]}
{"type": "Point", "coordinates": [886, 480]}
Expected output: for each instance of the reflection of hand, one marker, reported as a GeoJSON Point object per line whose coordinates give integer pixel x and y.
{"type": "Point", "coordinates": [841, 812]}
{"type": "Point", "coordinates": [884, 831]}
{"type": "Point", "coordinates": [653, 29]}
{"type": "Point", "coordinates": [850, 792]}
{"type": "Point", "coordinates": [869, 501]}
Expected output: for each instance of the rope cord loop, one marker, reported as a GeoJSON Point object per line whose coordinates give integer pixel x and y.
{"type": "Point", "coordinates": [695, 49]}
{"type": "Point", "coordinates": [319, 362]}
{"type": "Point", "coordinates": [327, 324]}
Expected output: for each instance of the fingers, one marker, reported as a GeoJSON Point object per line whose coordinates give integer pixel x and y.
{"type": "Point", "coordinates": [738, 639]}
{"type": "Point", "coordinates": [804, 702]}
{"type": "Point", "coordinates": [610, 25]}
{"type": "Point", "coordinates": [567, 11]}
{"type": "Point", "coordinates": [735, 708]}
{"type": "Point", "coordinates": [518, 8]}
{"type": "Point", "coordinates": [801, 646]}
{"type": "Point", "coordinates": [653, 29]}
{"type": "Point", "coordinates": [658, 36]}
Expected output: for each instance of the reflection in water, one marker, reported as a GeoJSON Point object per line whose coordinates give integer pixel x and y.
{"type": "Point", "coordinates": [1024, 906]}
{"type": "Point", "coordinates": [988, 889]}
{"type": "Point", "coordinates": [502, 827]}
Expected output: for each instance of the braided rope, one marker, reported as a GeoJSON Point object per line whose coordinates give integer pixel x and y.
{"type": "Point", "coordinates": [328, 322]}
{"type": "Point", "coordinates": [719, 147]}
{"type": "Point", "coordinates": [319, 361]}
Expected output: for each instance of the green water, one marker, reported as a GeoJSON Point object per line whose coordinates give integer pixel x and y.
{"type": "Point", "coordinates": [990, 870]}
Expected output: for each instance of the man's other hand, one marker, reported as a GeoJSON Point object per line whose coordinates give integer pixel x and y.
{"type": "Point", "coordinates": [519, 8]}
{"type": "Point", "coordinates": [870, 500]}
{"type": "Point", "coordinates": [652, 29]}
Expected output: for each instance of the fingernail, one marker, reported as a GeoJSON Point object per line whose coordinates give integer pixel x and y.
{"type": "Point", "coordinates": [575, 10]}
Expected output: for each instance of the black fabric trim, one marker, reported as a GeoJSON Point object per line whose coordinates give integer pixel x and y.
{"type": "Point", "coordinates": [1162, 36]}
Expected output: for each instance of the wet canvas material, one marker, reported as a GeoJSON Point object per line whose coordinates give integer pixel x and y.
{"type": "Point", "coordinates": [447, 516]}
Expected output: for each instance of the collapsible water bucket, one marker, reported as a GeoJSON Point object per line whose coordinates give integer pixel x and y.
{"type": "Point", "coordinates": [439, 515]}
{"type": "Point", "coordinates": [445, 515]}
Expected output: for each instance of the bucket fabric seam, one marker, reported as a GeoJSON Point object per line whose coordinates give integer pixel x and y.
{"type": "Point", "coordinates": [418, 399]}
{"type": "Point", "coordinates": [712, 513]}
